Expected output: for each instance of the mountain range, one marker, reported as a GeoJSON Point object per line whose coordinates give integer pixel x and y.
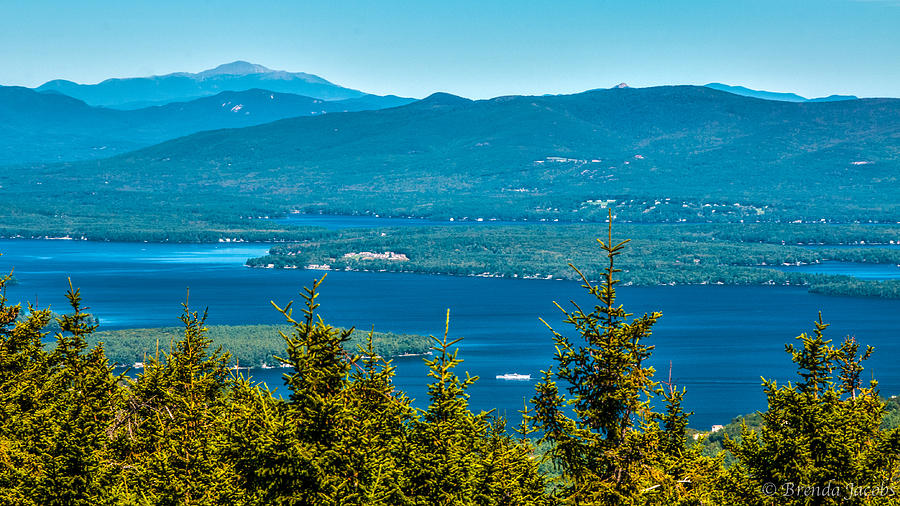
{"type": "Point", "coordinates": [138, 92]}
{"type": "Point", "coordinates": [42, 127]}
{"type": "Point", "coordinates": [662, 154]}
{"type": "Point", "coordinates": [62, 120]}
{"type": "Point", "coordinates": [666, 153]}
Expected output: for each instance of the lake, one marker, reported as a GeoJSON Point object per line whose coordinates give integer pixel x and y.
{"type": "Point", "coordinates": [719, 339]}
{"type": "Point", "coordinates": [857, 270]}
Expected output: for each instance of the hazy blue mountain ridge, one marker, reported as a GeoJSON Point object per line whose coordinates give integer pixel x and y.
{"type": "Point", "coordinates": [53, 127]}
{"type": "Point", "coordinates": [137, 92]}
{"type": "Point", "coordinates": [772, 95]}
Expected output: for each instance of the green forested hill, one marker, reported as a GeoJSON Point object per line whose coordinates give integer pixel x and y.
{"type": "Point", "coordinates": [662, 154]}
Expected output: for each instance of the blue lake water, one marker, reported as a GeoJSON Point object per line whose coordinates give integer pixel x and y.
{"type": "Point", "coordinates": [857, 270]}
{"type": "Point", "coordinates": [719, 339]}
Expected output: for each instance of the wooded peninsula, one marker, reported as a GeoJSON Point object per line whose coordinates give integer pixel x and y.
{"type": "Point", "coordinates": [662, 254]}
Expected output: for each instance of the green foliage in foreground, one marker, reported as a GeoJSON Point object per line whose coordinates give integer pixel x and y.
{"type": "Point", "coordinates": [248, 345]}
{"type": "Point", "coordinates": [713, 443]}
{"type": "Point", "coordinates": [616, 450]}
{"type": "Point", "coordinates": [823, 432]}
{"type": "Point", "coordinates": [188, 431]}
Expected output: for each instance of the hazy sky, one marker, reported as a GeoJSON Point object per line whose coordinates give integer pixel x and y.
{"type": "Point", "coordinates": [476, 49]}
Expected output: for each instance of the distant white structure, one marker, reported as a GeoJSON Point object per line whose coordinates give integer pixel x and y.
{"type": "Point", "coordinates": [368, 255]}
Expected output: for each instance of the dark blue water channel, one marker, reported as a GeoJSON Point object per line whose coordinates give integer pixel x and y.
{"type": "Point", "coordinates": [719, 339]}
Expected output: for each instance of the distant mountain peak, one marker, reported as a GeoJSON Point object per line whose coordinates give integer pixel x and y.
{"type": "Point", "coordinates": [621, 85]}
{"type": "Point", "coordinates": [444, 99]}
{"type": "Point", "coordinates": [240, 75]}
{"type": "Point", "coordinates": [236, 68]}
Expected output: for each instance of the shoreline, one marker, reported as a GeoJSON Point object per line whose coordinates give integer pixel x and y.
{"type": "Point", "coordinates": [549, 277]}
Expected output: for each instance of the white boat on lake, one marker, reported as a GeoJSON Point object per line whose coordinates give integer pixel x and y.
{"type": "Point", "coordinates": [514, 377]}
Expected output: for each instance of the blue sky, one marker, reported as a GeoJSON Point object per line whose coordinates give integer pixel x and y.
{"type": "Point", "coordinates": [476, 49]}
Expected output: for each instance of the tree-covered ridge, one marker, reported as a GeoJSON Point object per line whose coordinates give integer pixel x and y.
{"type": "Point", "coordinates": [52, 127]}
{"type": "Point", "coordinates": [661, 254]}
{"type": "Point", "coordinates": [679, 153]}
{"type": "Point", "coordinates": [187, 430]}
{"type": "Point", "coordinates": [248, 345]}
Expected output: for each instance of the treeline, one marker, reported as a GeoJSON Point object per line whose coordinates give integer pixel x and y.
{"type": "Point", "coordinates": [844, 285]}
{"type": "Point", "coordinates": [248, 345]}
{"type": "Point", "coordinates": [186, 430]}
{"type": "Point", "coordinates": [140, 230]}
{"type": "Point", "coordinates": [661, 254]}
{"type": "Point", "coordinates": [807, 233]}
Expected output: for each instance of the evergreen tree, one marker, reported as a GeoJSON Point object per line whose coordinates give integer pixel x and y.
{"type": "Point", "coordinates": [821, 440]}
{"type": "Point", "coordinates": [614, 451]}
{"type": "Point", "coordinates": [464, 458]}
{"type": "Point", "coordinates": [334, 440]}
{"type": "Point", "coordinates": [168, 431]}
{"type": "Point", "coordinates": [56, 410]}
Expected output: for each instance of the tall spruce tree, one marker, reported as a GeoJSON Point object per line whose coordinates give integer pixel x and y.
{"type": "Point", "coordinates": [168, 431]}
{"type": "Point", "coordinates": [460, 457]}
{"type": "Point", "coordinates": [821, 441]}
{"type": "Point", "coordinates": [55, 409]}
{"type": "Point", "coordinates": [335, 440]}
{"type": "Point", "coordinates": [616, 450]}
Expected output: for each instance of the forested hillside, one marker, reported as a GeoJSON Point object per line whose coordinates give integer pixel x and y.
{"type": "Point", "coordinates": [691, 145]}
{"type": "Point", "coordinates": [50, 127]}
{"type": "Point", "coordinates": [679, 153]}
